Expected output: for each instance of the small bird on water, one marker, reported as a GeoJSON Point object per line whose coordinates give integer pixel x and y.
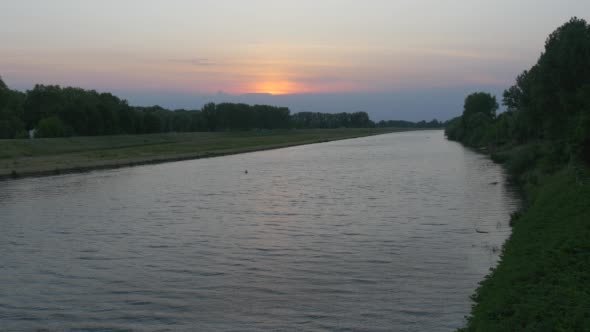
{"type": "Point", "coordinates": [246, 172]}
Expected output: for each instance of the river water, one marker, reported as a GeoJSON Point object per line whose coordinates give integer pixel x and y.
{"type": "Point", "coordinates": [383, 233]}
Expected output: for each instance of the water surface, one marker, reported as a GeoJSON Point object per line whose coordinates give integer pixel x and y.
{"type": "Point", "coordinates": [383, 233]}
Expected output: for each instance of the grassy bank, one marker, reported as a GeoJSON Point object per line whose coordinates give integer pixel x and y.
{"type": "Point", "coordinates": [23, 157]}
{"type": "Point", "coordinates": [542, 281]}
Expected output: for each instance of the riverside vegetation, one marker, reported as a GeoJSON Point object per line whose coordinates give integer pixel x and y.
{"type": "Point", "coordinates": [54, 111]}
{"type": "Point", "coordinates": [77, 130]}
{"type": "Point", "coordinates": [541, 282]}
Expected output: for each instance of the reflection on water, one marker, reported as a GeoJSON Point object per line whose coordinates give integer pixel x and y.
{"type": "Point", "coordinates": [391, 232]}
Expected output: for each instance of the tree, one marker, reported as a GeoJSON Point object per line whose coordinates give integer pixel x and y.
{"type": "Point", "coordinates": [2, 84]}
{"type": "Point", "coordinates": [51, 127]}
{"type": "Point", "coordinates": [480, 102]}
{"type": "Point", "coordinates": [42, 101]}
{"type": "Point", "coordinates": [581, 140]}
{"type": "Point", "coordinates": [151, 122]}
{"type": "Point", "coordinates": [209, 113]}
{"type": "Point", "coordinates": [454, 129]}
{"type": "Point", "coordinates": [11, 126]}
{"type": "Point", "coordinates": [549, 102]}
{"type": "Point", "coordinates": [475, 126]}
{"type": "Point", "coordinates": [76, 111]}
{"type": "Point", "coordinates": [11, 112]}
{"type": "Point", "coordinates": [563, 68]}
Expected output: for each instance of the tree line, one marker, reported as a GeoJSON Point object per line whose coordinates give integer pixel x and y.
{"type": "Point", "coordinates": [55, 111]}
{"type": "Point", "coordinates": [329, 120]}
{"type": "Point", "coordinates": [409, 124]}
{"type": "Point", "coordinates": [550, 102]}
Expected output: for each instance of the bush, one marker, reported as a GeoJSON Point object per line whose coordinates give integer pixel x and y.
{"type": "Point", "coordinates": [51, 127]}
{"type": "Point", "coordinates": [521, 160]}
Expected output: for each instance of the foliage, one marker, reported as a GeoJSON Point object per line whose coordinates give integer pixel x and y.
{"type": "Point", "coordinates": [51, 127]}
{"type": "Point", "coordinates": [408, 124]}
{"type": "Point", "coordinates": [90, 113]}
{"type": "Point", "coordinates": [581, 136]}
{"type": "Point", "coordinates": [326, 120]}
{"type": "Point", "coordinates": [2, 84]}
{"type": "Point", "coordinates": [541, 282]}
{"type": "Point", "coordinates": [11, 108]}
{"type": "Point", "coordinates": [474, 127]}
{"type": "Point", "coordinates": [550, 101]}
{"type": "Point", "coordinates": [480, 103]}
{"type": "Point", "coordinates": [11, 126]}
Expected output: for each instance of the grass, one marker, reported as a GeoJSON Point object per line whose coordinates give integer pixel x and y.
{"type": "Point", "coordinates": [542, 282]}
{"type": "Point", "coordinates": [24, 157]}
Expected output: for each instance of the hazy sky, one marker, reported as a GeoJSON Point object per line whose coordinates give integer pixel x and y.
{"type": "Point", "coordinates": [393, 59]}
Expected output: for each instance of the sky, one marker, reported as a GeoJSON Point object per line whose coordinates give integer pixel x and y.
{"type": "Point", "coordinates": [394, 59]}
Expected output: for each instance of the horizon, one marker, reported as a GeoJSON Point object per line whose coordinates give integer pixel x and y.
{"type": "Point", "coordinates": [392, 60]}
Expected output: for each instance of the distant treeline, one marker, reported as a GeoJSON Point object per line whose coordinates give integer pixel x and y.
{"type": "Point", "coordinates": [549, 102]}
{"type": "Point", "coordinates": [409, 124]}
{"type": "Point", "coordinates": [329, 120]}
{"type": "Point", "coordinates": [54, 111]}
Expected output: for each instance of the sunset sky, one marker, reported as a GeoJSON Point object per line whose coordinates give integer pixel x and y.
{"type": "Point", "coordinates": [394, 59]}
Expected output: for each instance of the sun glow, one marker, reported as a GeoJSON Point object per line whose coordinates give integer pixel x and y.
{"type": "Point", "coordinates": [278, 87]}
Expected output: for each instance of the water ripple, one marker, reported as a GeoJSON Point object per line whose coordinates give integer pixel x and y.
{"type": "Point", "coordinates": [384, 233]}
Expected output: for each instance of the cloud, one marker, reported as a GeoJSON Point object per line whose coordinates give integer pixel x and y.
{"type": "Point", "coordinates": [199, 62]}
{"type": "Point", "coordinates": [483, 55]}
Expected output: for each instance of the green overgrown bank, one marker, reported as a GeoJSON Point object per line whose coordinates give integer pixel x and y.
{"type": "Point", "coordinates": [543, 140]}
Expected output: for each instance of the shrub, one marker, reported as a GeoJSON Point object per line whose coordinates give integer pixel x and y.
{"type": "Point", "coordinates": [51, 127]}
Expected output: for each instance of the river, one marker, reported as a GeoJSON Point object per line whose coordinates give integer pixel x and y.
{"type": "Point", "coordinates": [383, 233]}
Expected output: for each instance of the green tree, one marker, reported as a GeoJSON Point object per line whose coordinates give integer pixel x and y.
{"type": "Point", "coordinates": [11, 126]}
{"type": "Point", "coordinates": [549, 102]}
{"type": "Point", "coordinates": [11, 112]}
{"type": "Point", "coordinates": [151, 122]}
{"type": "Point", "coordinates": [209, 113]}
{"type": "Point", "coordinates": [2, 84]}
{"type": "Point", "coordinates": [564, 68]}
{"type": "Point", "coordinates": [475, 126]}
{"type": "Point", "coordinates": [480, 102]}
{"type": "Point", "coordinates": [581, 140]}
{"type": "Point", "coordinates": [42, 101]}
{"type": "Point", "coordinates": [51, 127]}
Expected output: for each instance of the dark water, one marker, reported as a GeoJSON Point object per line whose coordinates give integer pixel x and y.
{"type": "Point", "coordinates": [384, 233]}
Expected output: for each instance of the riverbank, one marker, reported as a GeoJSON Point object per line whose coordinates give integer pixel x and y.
{"type": "Point", "coordinates": [541, 282]}
{"type": "Point", "coordinates": [49, 156]}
